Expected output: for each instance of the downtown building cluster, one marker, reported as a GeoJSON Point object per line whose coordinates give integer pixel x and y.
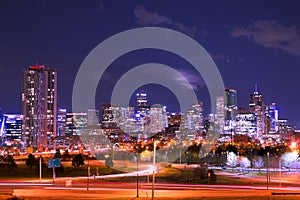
{"type": "Point", "coordinates": [259, 122]}
{"type": "Point", "coordinates": [43, 125]}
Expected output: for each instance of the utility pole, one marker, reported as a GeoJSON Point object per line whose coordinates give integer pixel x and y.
{"type": "Point", "coordinates": [268, 170]}
{"type": "Point", "coordinates": [88, 174]}
{"type": "Point", "coordinates": [137, 176]}
{"type": "Point", "coordinates": [40, 167]}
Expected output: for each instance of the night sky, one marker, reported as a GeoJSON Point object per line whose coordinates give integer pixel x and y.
{"type": "Point", "coordinates": [251, 42]}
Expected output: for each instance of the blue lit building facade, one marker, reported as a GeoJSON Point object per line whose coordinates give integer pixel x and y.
{"type": "Point", "coordinates": [12, 127]}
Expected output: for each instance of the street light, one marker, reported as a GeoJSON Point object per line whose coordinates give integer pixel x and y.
{"type": "Point", "coordinates": [137, 176]}
{"type": "Point", "coordinates": [280, 171]}
{"type": "Point", "coordinates": [40, 167]}
{"type": "Point", "coordinates": [88, 173]}
{"type": "Point", "coordinates": [138, 148]}
{"type": "Point", "coordinates": [153, 175]}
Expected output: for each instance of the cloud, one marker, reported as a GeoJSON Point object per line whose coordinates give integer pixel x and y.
{"type": "Point", "coordinates": [195, 82]}
{"type": "Point", "coordinates": [147, 18]}
{"type": "Point", "coordinates": [185, 29]}
{"type": "Point", "coordinates": [271, 34]}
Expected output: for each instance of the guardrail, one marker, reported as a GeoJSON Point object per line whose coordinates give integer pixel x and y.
{"type": "Point", "coordinates": [285, 193]}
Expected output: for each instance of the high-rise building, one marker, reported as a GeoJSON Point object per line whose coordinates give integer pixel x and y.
{"type": "Point", "coordinates": [110, 115]}
{"type": "Point", "coordinates": [39, 106]}
{"type": "Point", "coordinates": [142, 102]}
{"type": "Point", "coordinates": [256, 106]}
{"type": "Point", "coordinates": [158, 119]}
{"type": "Point", "coordinates": [92, 117]}
{"type": "Point", "coordinates": [230, 106]}
{"type": "Point", "coordinates": [61, 122]}
{"type": "Point", "coordinates": [220, 120]}
{"type": "Point", "coordinates": [75, 123]}
{"type": "Point", "coordinates": [246, 124]}
{"type": "Point", "coordinates": [270, 119]}
{"type": "Point", "coordinates": [283, 129]}
{"type": "Point", "coordinates": [192, 121]}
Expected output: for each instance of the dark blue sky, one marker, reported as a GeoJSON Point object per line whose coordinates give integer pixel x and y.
{"type": "Point", "coordinates": [250, 41]}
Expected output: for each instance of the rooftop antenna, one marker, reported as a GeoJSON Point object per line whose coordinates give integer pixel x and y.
{"type": "Point", "coordinates": [255, 89]}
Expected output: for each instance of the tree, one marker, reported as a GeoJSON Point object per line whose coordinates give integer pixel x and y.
{"type": "Point", "coordinates": [258, 162]}
{"type": "Point", "coordinates": [77, 161]}
{"type": "Point", "coordinates": [232, 160]}
{"type": "Point", "coordinates": [30, 161]}
{"type": "Point", "coordinates": [244, 162]}
{"type": "Point", "coordinates": [290, 160]}
{"type": "Point", "coordinates": [9, 161]}
{"type": "Point", "coordinates": [57, 154]}
{"type": "Point", "coordinates": [66, 155]}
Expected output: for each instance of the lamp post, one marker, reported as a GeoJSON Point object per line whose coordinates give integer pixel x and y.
{"type": "Point", "coordinates": [153, 175]}
{"type": "Point", "coordinates": [137, 176]}
{"type": "Point", "coordinates": [40, 167]}
{"type": "Point", "coordinates": [279, 171]}
{"type": "Point", "coordinates": [88, 174]}
{"type": "Point", "coordinates": [268, 154]}
{"type": "Point", "coordinates": [180, 154]}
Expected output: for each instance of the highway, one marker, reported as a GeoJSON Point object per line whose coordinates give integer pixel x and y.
{"type": "Point", "coordinates": [128, 190]}
{"type": "Point", "coordinates": [79, 189]}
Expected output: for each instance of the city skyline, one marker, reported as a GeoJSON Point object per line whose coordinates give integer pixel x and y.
{"type": "Point", "coordinates": [239, 43]}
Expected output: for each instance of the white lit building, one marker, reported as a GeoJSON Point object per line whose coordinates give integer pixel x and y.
{"type": "Point", "coordinates": [246, 124]}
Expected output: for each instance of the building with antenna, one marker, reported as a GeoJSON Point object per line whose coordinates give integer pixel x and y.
{"type": "Point", "coordinates": [256, 106]}
{"type": "Point", "coordinates": [39, 106]}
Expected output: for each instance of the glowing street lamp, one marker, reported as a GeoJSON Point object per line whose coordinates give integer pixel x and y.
{"type": "Point", "coordinates": [153, 175]}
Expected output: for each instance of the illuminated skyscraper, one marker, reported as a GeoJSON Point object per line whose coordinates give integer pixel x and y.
{"type": "Point", "coordinates": [39, 106]}
{"type": "Point", "coordinates": [61, 122]}
{"type": "Point", "coordinates": [246, 124]}
{"type": "Point", "coordinates": [230, 105]}
{"type": "Point", "coordinates": [256, 106]}
{"type": "Point", "coordinates": [158, 119]}
{"type": "Point", "coordinates": [142, 102]}
{"type": "Point", "coordinates": [75, 123]}
{"type": "Point", "coordinates": [111, 114]}
{"type": "Point", "coordinates": [270, 119]}
{"type": "Point", "coordinates": [220, 114]}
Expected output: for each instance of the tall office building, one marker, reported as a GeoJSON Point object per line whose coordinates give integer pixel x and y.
{"type": "Point", "coordinates": [246, 124]}
{"type": "Point", "coordinates": [256, 106]}
{"type": "Point", "coordinates": [39, 106]}
{"type": "Point", "coordinates": [76, 123]}
{"type": "Point", "coordinates": [92, 117]}
{"type": "Point", "coordinates": [220, 115]}
{"type": "Point", "coordinates": [230, 106]}
{"type": "Point", "coordinates": [142, 102]}
{"type": "Point", "coordinates": [61, 122]}
{"type": "Point", "coordinates": [111, 115]}
{"type": "Point", "coordinates": [270, 119]}
{"type": "Point", "coordinates": [158, 119]}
